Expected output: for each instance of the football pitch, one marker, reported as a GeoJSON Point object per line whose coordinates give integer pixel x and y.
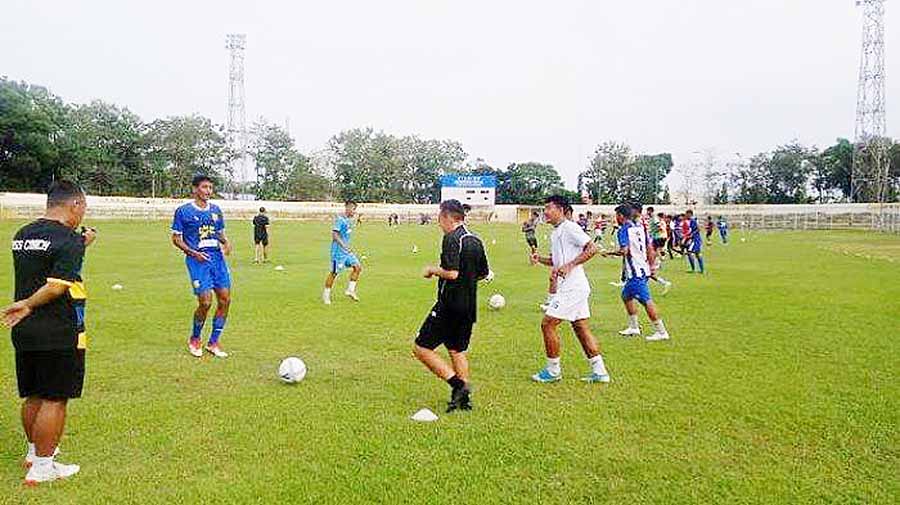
{"type": "Point", "coordinates": [781, 383]}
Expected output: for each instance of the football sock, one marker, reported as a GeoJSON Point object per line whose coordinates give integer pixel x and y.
{"type": "Point", "coordinates": [633, 321]}
{"type": "Point", "coordinates": [553, 366]}
{"type": "Point", "coordinates": [660, 327]}
{"type": "Point", "coordinates": [691, 261]}
{"type": "Point", "coordinates": [456, 383]}
{"type": "Point", "coordinates": [198, 327]}
{"type": "Point", "coordinates": [32, 451]}
{"type": "Point", "coordinates": [327, 293]}
{"type": "Point", "coordinates": [597, 365]}
{"type": "Point", "coordinates": [351, 286]}
{"type": "Point", "coordinates": [218, 328]}
{"type": "Point", "coordinates": [700, 262]}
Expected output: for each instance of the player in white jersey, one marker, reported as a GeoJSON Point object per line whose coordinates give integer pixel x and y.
{"type": "Point", "coordinates": [571, 248]}
{"type": "Point", "coordinates": [634, 244]}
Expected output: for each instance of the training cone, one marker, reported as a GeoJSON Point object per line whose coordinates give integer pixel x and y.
{"type": "Point", "coordinates": [424, 416]}
{"type": "Point", "coordinates": [117, 287]}
{"type": "Point", "coordinates": [279, 268]}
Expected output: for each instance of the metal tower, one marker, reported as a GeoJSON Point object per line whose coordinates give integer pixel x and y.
{"type": "Point", "coordinates": [237, 114]}
{"type": "Point", "coordinates": [869, 178]}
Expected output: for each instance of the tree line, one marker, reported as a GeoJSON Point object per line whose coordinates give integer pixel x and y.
{"type": "Point", "coordinates": [109, 150]}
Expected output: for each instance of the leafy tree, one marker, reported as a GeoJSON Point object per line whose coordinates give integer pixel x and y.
{"type": "Point", "coordinates": [616, 175]}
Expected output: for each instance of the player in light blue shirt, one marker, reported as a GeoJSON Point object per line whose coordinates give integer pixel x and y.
{"type": "Point", "coordinates": [198, 230]}
{"type": "Point", "coordinates": [342, 257]}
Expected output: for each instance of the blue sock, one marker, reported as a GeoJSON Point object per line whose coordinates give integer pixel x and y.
{"type": "Point", "coordinates": [218, 328]}
{"type": "Point", "coordinates": [700, 261]}
{"type": "Point", "coordinates": [691, 261]}
{"type": "Point", "coordinates": [198, 327]}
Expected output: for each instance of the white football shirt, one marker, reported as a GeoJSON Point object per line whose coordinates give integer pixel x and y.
{"type": "Point", "coordinates": [566, 242]}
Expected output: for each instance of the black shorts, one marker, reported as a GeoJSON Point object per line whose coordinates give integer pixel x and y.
{"type": "Point", "coordinates": [532, 241]}
{"type": "Point", "coordinates": [50, 374]}
{"type": "Point", "coordinates": [659, 243]}
{"type": "Point", "coordinates": [453, 333]}
{"type": "Point", "coordinates": [261, 239]}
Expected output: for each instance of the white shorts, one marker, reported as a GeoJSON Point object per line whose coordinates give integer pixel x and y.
{"type": "Point", "coordinates": [570, 305]}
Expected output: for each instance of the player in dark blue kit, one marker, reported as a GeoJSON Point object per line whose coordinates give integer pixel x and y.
{"type": "Point", "coordinates": [694, 242]}
{"type": "Point", "coordinates": [199, 231]}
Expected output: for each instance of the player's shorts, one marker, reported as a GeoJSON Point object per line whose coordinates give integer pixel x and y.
{"type": "Point", "coordinates": [261, 238]}
{"type": "Point", "coordinates": [695, 246]}
{"type": "Point", "coordinates": [57, 374]}
{"type": "Point", "coordinates": [207, 275]}
{"type": "Point", "coordinates": [659, 243]}
{"type": "Point", "coordinates": [343, 261]}
{"type": "Point", "coordinates": [532, 241]}
{"type": "Point", "coordinates": [452, 332]}
{"type": "Point", "coordinates": [570, 305]}
{"type": "Point", "coordinates": [638, 289]}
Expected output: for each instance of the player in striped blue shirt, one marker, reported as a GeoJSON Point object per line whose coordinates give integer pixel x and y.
{"type": "Point", "coordinates": [198, 230]}
{"type": "Point", "coordinates": [342, 257]}
{"type": "Point", "coordinates": [694, 242]}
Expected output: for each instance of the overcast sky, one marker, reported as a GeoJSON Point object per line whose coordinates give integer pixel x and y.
{"type": "Point", "coordinates": [512, 80]}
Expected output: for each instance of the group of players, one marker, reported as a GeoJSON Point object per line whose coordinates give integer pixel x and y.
{"type": "Point", "coordinates": [47, 318]}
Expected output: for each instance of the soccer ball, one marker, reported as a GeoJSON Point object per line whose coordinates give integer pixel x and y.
{"type": "Point", "coordinates": [292, 370]}
{"type": "Point", "coordinates": [497, 301]}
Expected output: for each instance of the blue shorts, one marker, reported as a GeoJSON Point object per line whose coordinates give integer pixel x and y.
{"type": "Point", "coordinates": [638, 289]}
{"type": "Point", "coordinates": [342, 261]}
{"type": "Point", "coordinates": [207, 275]}
{"type": "Point", "coordinates": [696, 245]}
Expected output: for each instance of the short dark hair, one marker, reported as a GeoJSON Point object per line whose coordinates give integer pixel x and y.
{"type": "Point", "coordinates": [62, 191]}
{"type": "Point", "coordinates": [199, 179]}
{"type": "Point", "coordinates": [636, 207]}
{"type": "Point", "coordinates": [689, 211]}
{"type": "Point", "coordinates": [650, 210]}
{"type": "Point", "coordinates": [624, 210]}
{"type": "Point", "coordinates": [349, 203]}
{"type": "Point", "coordinates": [560, 201]}
{"type": "Point", "coordinates": [262, 209]}
{"type": "Point", "coordinates": [454, 209]}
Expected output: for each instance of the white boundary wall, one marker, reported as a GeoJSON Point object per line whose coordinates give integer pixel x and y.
{"type": "Point", "coordinates": [831, 216]}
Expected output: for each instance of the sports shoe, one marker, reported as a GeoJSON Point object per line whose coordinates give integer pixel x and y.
{"type": "Point", "coordinates": [194, 348]}
{"type": "Point", "coordinates": [352, 295]}
{"type": "Point", "coordinates": [545, 306]}
{"type": "Point", "coordinates": [630, 332]}
{"type": "Point", "coordinates": [666, 287]}
{"type": "Point", "coordinates": [545, 377]}
{"type": "Point", "coordinates": [216, 351]}
{"type": "Point", "coordinates": [47, 473]}
{"type": "Point", "coordinates": [459, 399]}
{"type": "Point", "coordinates": [657, 336]}
{"type": "Point", "coordinates": [596, 377]}
{"type": "Point", "coordinates": [29, 458]}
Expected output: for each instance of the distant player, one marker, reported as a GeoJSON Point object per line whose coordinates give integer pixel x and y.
{"type": "Point", "coordinates": [722, 224]}
{"type": "Point", "coordinates": [463, 264]}
{"type": "Point", "coordinates": [693, 242]}
{"type": "Point", "coordinates": [633, 247]}
{"type": "Point", "coordinates": [599, 225]}
{"type": "Point", "coordinates": [528, 228]}
{"type": "Point", "coordinates": [261, 236]}
{"type": "Point", "coordinates": [571, 248]}
{"type": "Point", "coordinates": [654, 258]}
{"type": "Point", "coordinates": [198, 230]}
{"type": "Point", "coordinates": [709, 230]}
{"type": "Point", "coordinates": [342, 256]}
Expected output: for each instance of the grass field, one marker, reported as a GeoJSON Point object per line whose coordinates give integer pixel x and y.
{"type": "Point", "coordinates": [780, 385]}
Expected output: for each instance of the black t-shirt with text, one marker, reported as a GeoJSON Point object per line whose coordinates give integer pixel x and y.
{"type": "Point", "coordinates": [464, 252]}
{"type": "Point", "coordinates": [259, 225]}
{"type": "Point", "coordinates": [48, 251]}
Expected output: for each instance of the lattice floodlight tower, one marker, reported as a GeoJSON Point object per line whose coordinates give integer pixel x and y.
{"type": "Point", "coordinates": [237, 114]}
{"type": "Point", "coordinates": [869, 178]}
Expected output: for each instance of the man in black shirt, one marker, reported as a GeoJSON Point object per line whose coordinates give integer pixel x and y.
{"type": "Point", "coordinates": [261, 236]}
{"type": "Point", "coordinates": [47, 322]}
{"type": "Point", "coordinates": [450, 321]}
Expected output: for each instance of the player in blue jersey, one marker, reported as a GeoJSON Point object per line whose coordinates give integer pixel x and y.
{"type": "Point", "coordinates": [634, 247]}
{"type": "Point", "coordinates": [722, 224]}
{"type": "Point", "coordinates": [694, 242]}
{"type": "Point", "coordinates": [342, 256]}
{"type": "Point", "coordinates": [199, 231]}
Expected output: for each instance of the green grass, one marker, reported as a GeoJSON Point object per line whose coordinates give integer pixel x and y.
{"type": "Point", "coordinates": [780, 384]}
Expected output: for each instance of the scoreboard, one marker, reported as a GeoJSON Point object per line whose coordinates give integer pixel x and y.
{"type": "Point", "coordinates": [475, 190]}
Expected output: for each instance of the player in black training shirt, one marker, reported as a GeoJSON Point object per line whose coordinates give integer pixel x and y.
{"type": "Point", "coordinates": [463, 264]}
{"type": "Point", "coordinates": [47, 322]}
{"type": "Point", "coordinates": [261, 236]}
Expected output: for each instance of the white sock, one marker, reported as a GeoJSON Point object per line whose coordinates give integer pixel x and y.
{"type": "Point", "coordinates": [351, 286]}
{"type": "Point", "coordinates": [633, 322]}
{"type": "Point", "coordinates": [597, 365]}
{"type": "Point", "coordinates": [326, 293]}
{"type": "Point", "coordinates": [32, 450]}
{"type": "Point", "coordinates": [553, 366]}
{"type": "Point", "coordinates": [660, 327]}
{"type": "Point", "coordinates": [661, 280]}
{"type": "Point", "coordinates": [42, 462]}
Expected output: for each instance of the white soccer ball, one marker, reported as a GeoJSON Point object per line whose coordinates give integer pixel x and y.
{"type": "Point", "coordinates": [292, 370]}
{"type": "Point", "coordinates": [497, 301]}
